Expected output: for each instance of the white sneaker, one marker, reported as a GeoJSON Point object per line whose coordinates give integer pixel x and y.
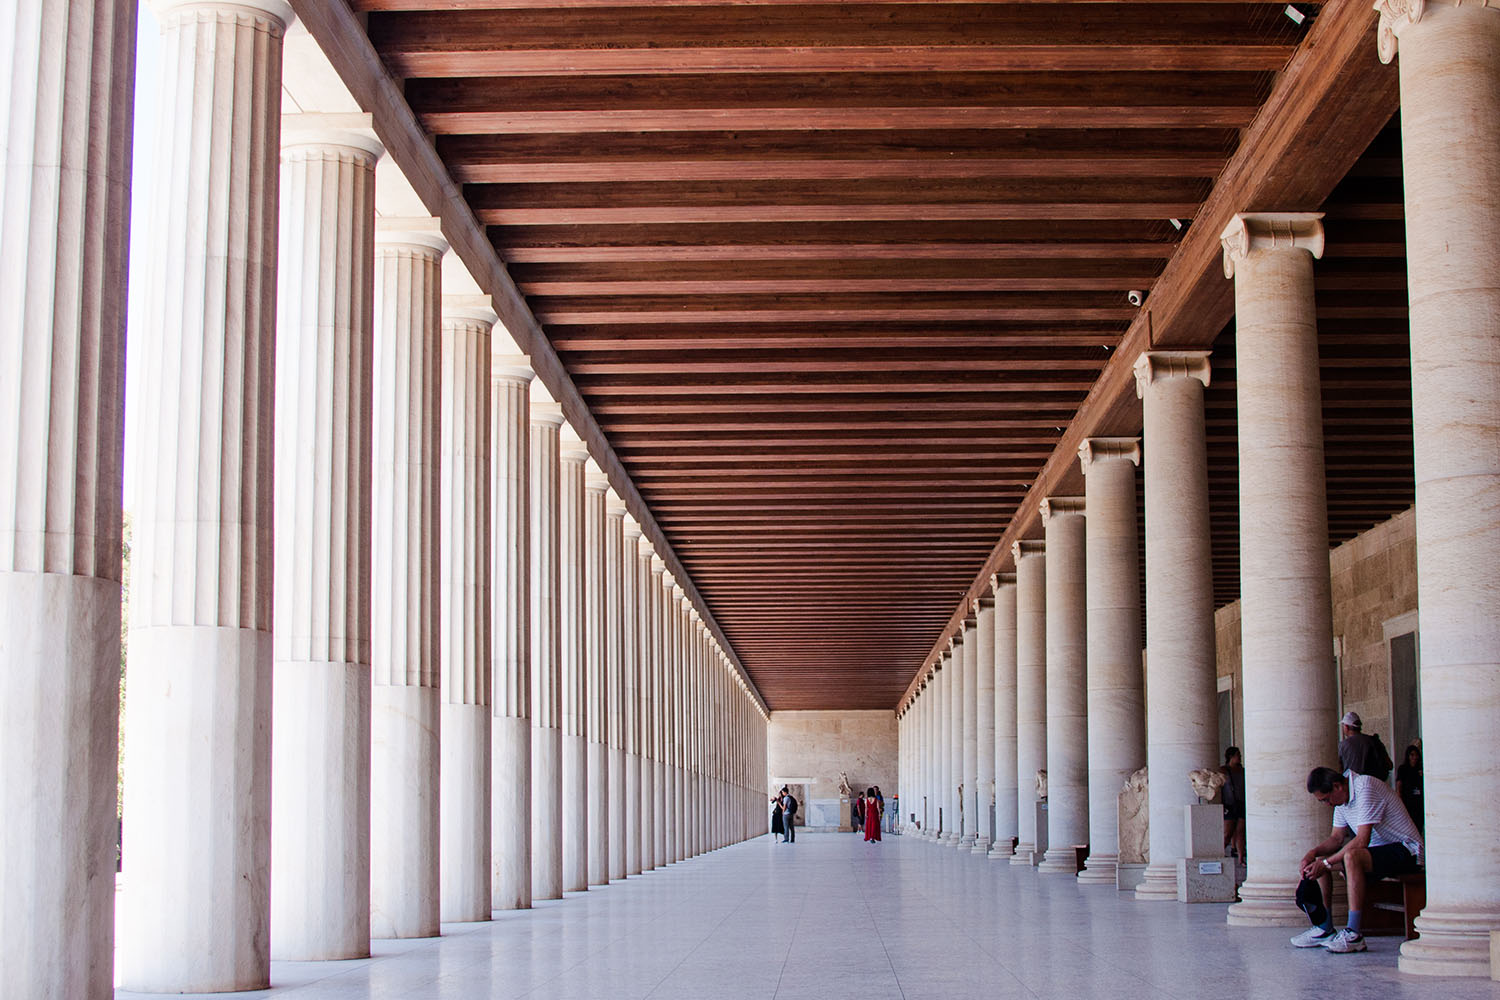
{"type": "Point", "coordinates": [1345, 941]}
{"type": "Point", "coordinates": [1313, 937]}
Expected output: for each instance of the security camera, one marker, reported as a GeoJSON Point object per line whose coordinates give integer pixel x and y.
{"type": "Point", "coordinates": [1135, 296]}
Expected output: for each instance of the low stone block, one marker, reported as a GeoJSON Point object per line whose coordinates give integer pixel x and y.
{"type": "Point", "coordinates": [1205, 880]}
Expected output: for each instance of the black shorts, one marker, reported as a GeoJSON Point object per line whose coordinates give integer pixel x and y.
{"type": "Point", "coordinates": [1391, 859]}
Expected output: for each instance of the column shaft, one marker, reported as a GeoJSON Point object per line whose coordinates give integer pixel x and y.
{"type": "Point", "coordinates": [1031, 690]}
{"type": "Point", "coordinates": [1067, 686]}
{"type": "Point", "coordinates": [1007, 823]}
{"type": "Point", "coordinates": [197, 815]}
{"type": "Point", "coordinates": [970, 705]}
{"type": "Point", "coordinates": [320, 789]}
{"type": "Point", "coordinates": [596, 720]}
{"type": "Point", "coordinates": [984, 775]}
{"type": "Point", "coordinates": [572, 616]}
{"type": "Point", "coordinates": [614, 669]}
{"type": "Point", "coordinates": [630, 625]}
{"type": "Point", "coordinates": [65, 185]}
{"type": "Point", "coordinates": [546, 655]}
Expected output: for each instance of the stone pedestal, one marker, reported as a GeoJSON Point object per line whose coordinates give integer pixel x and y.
{"type": "Point", "coordinates": [846, 815]}
{"type": "Point", "coordinates": [66, 134]}
{"type": "Point", "coordinates": [1043, 831]}
{"type": "Point", "coordinates": [1205, 880]}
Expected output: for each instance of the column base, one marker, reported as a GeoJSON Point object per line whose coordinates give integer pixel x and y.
{"type": "Point", "coordinates": [1059, 861]}
{"type": "Point", "coordinates": [981, 845]}
{"type": "Point", "coordinates": [1454, 942]}
{"type": "Point", "coordinates": [1022, 854]}
{"type": "Point", "coordinates": [1001, 850]}
{"type": "Point", "coordinates": [1159, 885]}
{"type": "Point", "coordinates": [1266, 904]}
{"type": "Point", "coordinates": [1100, 869]}
{"type": "Point", "coordinates": [966, 842]}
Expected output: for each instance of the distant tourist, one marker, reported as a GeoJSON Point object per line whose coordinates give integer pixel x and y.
{"type": "Point", "coordinates": [1372, 838]}
{"type": "Point", "coordinates": [1360, 752]}
{"type": "Point", "coordinates": [1409, 785]}
{"type": "Point", "coordinates": [872, 816]}
{"type": "Point", "coordinates": [859, 812]}
{"type": "Point", "coordinates": [777, 826]}
{"type": "Point", "coordinates": [1234, 803]}
{"type": "Point", "coordinates": [789, 814]}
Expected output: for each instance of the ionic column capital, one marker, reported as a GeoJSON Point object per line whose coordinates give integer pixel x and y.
{"type": "Point", "coordinates": [1267, 232]}
{"type": "Point", "coordinates": [1026, 547]}
{"type": "Point", "coordinates": [1159, 366]}
{"type": "Point", "coordinates": [956, 640]}
{"type": "Point", "coordinates": [1061, 507]}
{"type": "Point", "coordinates": [1105, 449]}
{"type": "Point", "coordinates": [1000, 580]}
{"type": "Point", "coordinates": [1398, 14]}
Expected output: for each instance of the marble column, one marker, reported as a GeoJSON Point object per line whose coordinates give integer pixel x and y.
{"type": "Point", "coordinates": [1285, 604]}
{"type": "Point", "coordinates": [968, 806]}
{"type": "Point", "coordinates": [630, 633]}
{"type": "Point", "coordinates": [616, 638]}
{"type": "Point", "coordinates": [1067, 686]}
{"type": "Point", "coordinates": [320, 788]}
{"type": "Point", "coordinates": [510, 626]}
{"type": "Point", "coordinates": [406, 714]}
{"type": "Point", "coordinates": [1007, 821]}
{"type": "Point", "coordinates": [659, 655]}
{"type": "Point", "coordinates": [937, 692]}
{"type": "Point", "coordinates": [672, 642]}
{"type": "Point", "coordinates": [953, 834]}
{"type": "Point", "coordinates": [572, 618]}
{"type": "Point", "coordinates": [1181, 687]}
{"type": "Point", "coordinates": [65, 186]}
{"type": "Point", "coordinates": [595, 721]}
{"type": "Point", "coordinates": [984, 775]}
{"type": "Point", "coordinates": [1031, 688]}
{"type": "Point", "coordinates": [944, 749]}
{"type": "Point", "coordinates": [464, 564]}
{"type": "Point", "coordinates": [650, 634]}
{"type": "Point", "coordinates": [197, 817]}
{"type": "Point", "coordinates": [1116, 700]}
{"type": "Point", "coordinates": [546, 653]}
{"type": "Point", "coordinates": [1450, 114]}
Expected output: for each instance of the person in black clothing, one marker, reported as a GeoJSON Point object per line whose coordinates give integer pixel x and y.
{"type": "Point", "coordinates": [1360, 752]}
{"type": "Point", "coordinates": [1409, 784]}
{"type": "Point", "coordinates": [859, 813]}
{"type": "Point", "coordinates": [1234, 803]}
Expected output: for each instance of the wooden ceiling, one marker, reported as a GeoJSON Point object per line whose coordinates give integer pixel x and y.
{"type": "Point", "coordinates": [836, 279]}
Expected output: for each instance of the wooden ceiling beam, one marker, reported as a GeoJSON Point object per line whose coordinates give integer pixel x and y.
{"type": "Point", "coordinates": [738, 252]}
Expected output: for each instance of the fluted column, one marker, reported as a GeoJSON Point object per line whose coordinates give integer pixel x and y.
{"type": "Point", "coordinates": [546, 654]}
{"type": "Point", "coordinates": [672, 631]}
{"type": "Point", "coordinates": [1286, 620]}
{"type": "Point", "coordinates": [596, 721]}
{"type": "Point", "coordinates": [942, 749]}
{"type": "Point", "coordinates": [970, 740]}
{"type": "Point", "coordinates": [658, 702]}
{"type": "Point", "coordinates": [618, 634]}
{"type": "Point", "coordinates": [196, 906]}
{"type": "Point", "coordinates": [957, 695]}
{"type": "Point", "coordinates": [984, 774]}
{"type": "Point", "coordinates": [320, 789]}
{"type": "Point", "coordinates": [650, 634]}
{"type": "Point", "coordinates": [1067, 686]}
{"type": "Point", "coordinates": [572, 616]}
{"type": "Point", "coordinates": [1031, 688]}
{"type": "Point", "coordinates": [1450, 127]}
{"type": "Point", "coordinates": [1181, 689]}
{"type": "Point", "coordinates": [1116, 701]}
{"type": "Point", "coordinates": [1007, 823]}
{"type": "Point", "coordinates": [464, 860]}
{"type": "Point", "coordinates": [406, 714]}
{"type": "Point", "coordinates": [631, 592]}
{"type": "Point", "coordinates": [65, 188]}
{"type": "Point", "coordinates": [510, 627]}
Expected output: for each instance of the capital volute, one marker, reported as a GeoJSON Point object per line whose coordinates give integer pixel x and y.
{"type": "Point", "coordinates": [1061, 507]}
{"type": "Point", "coordinates": [1000, 581]}
{"type": "Point", "coordinates": [956, 640]}
{"type": "Point", "coordinates": [1105, 449]}
{"type": "Point", "coordinates": [1027, 547]}
{"type": "Point", "coordinates": [1159, 366]}
{"type": "Point", "coordinates": [1270, 232]}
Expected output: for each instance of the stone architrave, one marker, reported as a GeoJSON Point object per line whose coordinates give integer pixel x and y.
{"type": "Point", "coordinates": [320, 788]}
{"type": "Point", "coordinates": [595, 702]}
{"type": "Point", "coordinates": [1007, 789]}
{"type": "Point", "coordinates": [546, 653]}
{"type": "Point", "coordinates": [1067, 685]}
{"type": "Point", "coordinates": [406, 709]}
{"type": "Point", "coordinates": [1286, 620]}
{"type": "Point", "coordinates": [984, 780]}
{"type": "Point", "coordinates": [197, 811]}
{"type": "Point", "coordinates": [1031, 686]}
{"type": "Point", "coordinates": [464, 565]}
{"type": "Point", "coordinates": [969, 703]}
{"type": "Point", "coordinates": [573, 630]}
{"type": "Point", "coordinates": [1450, 127]}
{"type": "Point", "coordinates": [1181, 694]}
{"type": "Point", "coordinates": [510, 626]}
{"type": "Point", "coordinates": [1116, 700]}
{"type": "Point", "coordinates": [66, 134]}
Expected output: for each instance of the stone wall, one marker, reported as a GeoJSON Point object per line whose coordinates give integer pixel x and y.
{"type": "Point", "coordinates": [816, 746]}
{"type": "Point", "coordinates": [1374, 578]}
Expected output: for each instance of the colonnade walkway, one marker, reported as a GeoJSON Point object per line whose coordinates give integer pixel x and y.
{"type": "Point", "coordinates": [831, 916]}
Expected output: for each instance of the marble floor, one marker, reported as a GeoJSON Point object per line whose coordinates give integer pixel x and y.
{"type": "Point", "coordinates": [831, 916]}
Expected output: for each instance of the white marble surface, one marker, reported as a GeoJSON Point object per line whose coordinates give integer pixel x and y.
{"type": "Point", "coordinates": [833, 917]}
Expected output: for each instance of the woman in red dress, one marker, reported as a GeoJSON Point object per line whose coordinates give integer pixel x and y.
{"type": "Point", "coordinates": [872, 816]}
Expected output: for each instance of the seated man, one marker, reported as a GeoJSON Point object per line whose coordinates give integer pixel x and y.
{"type": "Point", "coordinates": [1372, 838]}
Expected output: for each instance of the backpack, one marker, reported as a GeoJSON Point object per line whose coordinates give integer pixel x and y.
{"type": "Point", "coordinates": [1384, 763]}
{"type": "Point", "coordinates": [791, 804]}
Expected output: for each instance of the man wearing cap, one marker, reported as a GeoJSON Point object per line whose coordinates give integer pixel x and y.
{"type": "Point", "coordinates": [1372, 838]}
{"type": "Point", "coordinates": [1360, 753]}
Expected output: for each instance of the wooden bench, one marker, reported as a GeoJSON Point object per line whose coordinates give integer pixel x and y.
{"type": "Point", "coordinates": [1401, 894]}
